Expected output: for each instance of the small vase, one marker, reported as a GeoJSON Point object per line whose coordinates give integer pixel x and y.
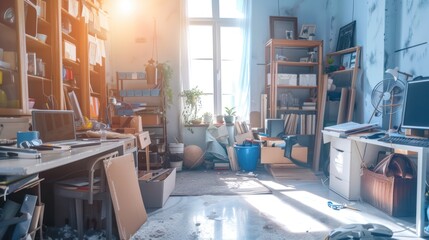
{"type": "Point", "coordinates": [219, 119]}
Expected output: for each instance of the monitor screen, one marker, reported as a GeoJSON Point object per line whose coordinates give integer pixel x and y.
{"type": "Point", "coordinates": [415, 114]}
{"type": "Point", "coordinates": [54, 125]}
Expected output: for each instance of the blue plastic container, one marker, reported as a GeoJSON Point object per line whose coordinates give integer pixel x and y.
{"type": "Point", "coordinates": [247, 156]}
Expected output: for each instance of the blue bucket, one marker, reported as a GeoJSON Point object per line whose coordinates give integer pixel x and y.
{"type": "Point", "coordinates": [247, 156]}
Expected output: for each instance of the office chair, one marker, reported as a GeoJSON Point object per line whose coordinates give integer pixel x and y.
{"type": "Point", "coordinates": [91, 187]}
{"type": "Point", "coordinates": [291, 140]}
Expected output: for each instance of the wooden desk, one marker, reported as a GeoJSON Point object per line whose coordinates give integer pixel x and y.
{"type": "Point", "coordinates": [53, 159]}
{"type": "Point", "coordinates": [422, 158]}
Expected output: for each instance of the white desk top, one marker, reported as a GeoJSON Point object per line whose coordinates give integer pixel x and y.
{"type": "Point", "coordinates": [53, 159]}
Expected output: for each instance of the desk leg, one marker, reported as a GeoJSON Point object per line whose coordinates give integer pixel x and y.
{"type": "Point", "coordinates": [423, 156]}
{"type": "Point", "coordinates": [147, 159]}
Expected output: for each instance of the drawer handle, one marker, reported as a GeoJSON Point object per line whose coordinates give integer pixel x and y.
{"type": "Point", "coordinates": [338, 178]}
{"type": "Point", "coordinates": [339, 150]}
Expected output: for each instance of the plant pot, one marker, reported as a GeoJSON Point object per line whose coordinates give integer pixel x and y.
{"type": "Point", "coordinates": [196, 121]}
{"type": "Point", "coordinates": [208, 119]}
{"type": "Point", "coordinates": [178, 165]}
{"type": "Point", "coordinates": [229, 119]}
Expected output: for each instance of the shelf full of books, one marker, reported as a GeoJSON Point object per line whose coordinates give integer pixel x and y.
{"type": "Point", "coordinates": [300, 124]}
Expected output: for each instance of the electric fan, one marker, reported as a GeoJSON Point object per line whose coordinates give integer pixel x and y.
{"type": "Point", "coordinates": [387, 98]}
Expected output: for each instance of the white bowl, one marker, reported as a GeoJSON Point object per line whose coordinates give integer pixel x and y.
{"type": "Point", "coordinates": [42, 37]}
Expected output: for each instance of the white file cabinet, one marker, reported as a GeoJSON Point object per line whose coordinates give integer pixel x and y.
{"type": "Point", "coordinates": [346, 159]}
{"type": "Point", "coordinates": [344, 174]}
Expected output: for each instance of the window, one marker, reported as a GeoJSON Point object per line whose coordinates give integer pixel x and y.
{"type": "Point", "coordinates": [215, 43]}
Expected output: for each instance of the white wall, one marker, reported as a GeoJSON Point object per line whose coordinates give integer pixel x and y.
{"type": "Point", "coordinates": [129, 55]}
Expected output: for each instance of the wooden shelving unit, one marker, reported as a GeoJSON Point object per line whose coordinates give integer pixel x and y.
{"type": "Point", "coordinates": [58, 73]}
{"type": "Point", "coordinates": [344, 79]}
{"type": "Point", "coordinates": [293, 78]}
{"type": "Point", "coordinates": [133, 88]}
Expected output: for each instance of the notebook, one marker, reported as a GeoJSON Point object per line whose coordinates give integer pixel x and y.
{"type": "Point", "coordinates": [58, 127]}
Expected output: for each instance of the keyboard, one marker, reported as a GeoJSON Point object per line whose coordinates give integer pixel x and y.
{"type": "Point", "coordinates": [418, 142]}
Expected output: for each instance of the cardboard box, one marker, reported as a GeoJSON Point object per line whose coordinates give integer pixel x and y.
{"type": "Point", "coordinates": [307, 80]}
{"type": "Point", "coordinates": [151, 119]}
{"type": "Point", "coordinates": [393, 195]}
{"type": "Point", "coordinates": [143, 139]}
{"type": "Point", "coordinates": [287, 79]}
{"type": "Point", "coordinates": [157, 186]}
{"type": "Point", "coordinates": [275, 155]}
{"type": "Point", "coordinates": [133, 122]}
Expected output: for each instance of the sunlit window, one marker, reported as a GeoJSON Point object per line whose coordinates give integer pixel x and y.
{"type": "Point", "coordinates": [214, 44]}
{"type": "Point", "coordinates": [200, 8]}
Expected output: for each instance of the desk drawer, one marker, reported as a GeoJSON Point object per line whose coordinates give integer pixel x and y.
{"type": "Point", "coordinates": [341, 144]}
{"type": "Point", "coordinates": [340, 186]}
{"type": "Point", "coordinates": [340, 164]}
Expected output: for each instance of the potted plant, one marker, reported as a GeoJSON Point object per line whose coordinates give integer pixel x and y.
{"type": "Point", "coordinates": [192, 105]}
{"type": "Point", "coordinates": [167, 74]}
{"type": "Point", "coordinates": [208, 117]}
{"type": "Point", "coordinates": [230, 114]}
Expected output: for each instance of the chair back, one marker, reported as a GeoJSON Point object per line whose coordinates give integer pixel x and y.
{"type": "Point", "coordinates": [96, 166]}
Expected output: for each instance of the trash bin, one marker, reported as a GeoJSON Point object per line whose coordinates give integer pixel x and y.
{"type": "Point", "coordinates": [247, 156]}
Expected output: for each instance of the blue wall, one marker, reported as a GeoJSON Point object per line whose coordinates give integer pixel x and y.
{"type": "Point", "coordinates": [382, 28]}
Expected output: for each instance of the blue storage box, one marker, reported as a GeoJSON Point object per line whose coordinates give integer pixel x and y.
{"type": "Point", "coordinates": [138, 93]}
{"type": "Point", "coordinates": [155, 92]}
{"type": "Point", "coordinates": [146, 92]}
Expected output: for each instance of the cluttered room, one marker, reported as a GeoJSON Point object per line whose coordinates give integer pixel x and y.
{"type": "Point", "coordinates": [213, 119]}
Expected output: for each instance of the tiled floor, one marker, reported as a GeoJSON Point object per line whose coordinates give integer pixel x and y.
{"type": "Point", "coordinates": [294, 210]}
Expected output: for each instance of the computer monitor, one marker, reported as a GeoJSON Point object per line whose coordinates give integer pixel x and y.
{"type": "Point", "coordinates": [415, 113]}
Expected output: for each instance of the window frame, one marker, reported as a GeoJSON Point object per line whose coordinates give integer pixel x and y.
{"type": "Point", "coordinates": [216, 23]}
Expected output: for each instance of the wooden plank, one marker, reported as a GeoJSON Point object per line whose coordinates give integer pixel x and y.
{"type": "Point", "coordinates": [352, 100]}
{"type": "Point", "coordinates": [343, 105]}
{"type": "Point", "coordinates": [291, 171]}
{"type": "Point", "coordinates": [126, 196]}
{"type": "Point", "coordinates": [322, 94]}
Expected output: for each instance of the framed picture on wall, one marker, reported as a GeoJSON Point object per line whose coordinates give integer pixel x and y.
{"type": "Point", "coordinates": [283, 27]}
{"type": "Point", "coordinates": [307, 30]}
{"type": "Point", "coordinates": [346, 36]}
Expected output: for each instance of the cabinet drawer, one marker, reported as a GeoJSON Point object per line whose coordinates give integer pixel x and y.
{"type": "Point", "coordinates": [340, 186]}
{"type": "Point", "coordinates": [341, 144]}
{"type": "Point", "coordinates": [339, 165]}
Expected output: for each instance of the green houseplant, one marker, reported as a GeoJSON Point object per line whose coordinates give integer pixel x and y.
{"type": "Point", "coordinates": [167, 75]}
{"type": "Point", "coordinates": [230, 114]}
{"type": "Point", "coordinates": [192, 105]}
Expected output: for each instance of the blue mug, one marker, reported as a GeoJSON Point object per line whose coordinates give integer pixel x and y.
{"type": "Point", "coordinates": [30, 136]}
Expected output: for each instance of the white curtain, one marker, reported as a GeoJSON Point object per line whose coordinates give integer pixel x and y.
{"type": "Point", "coordinates": [184, 60]}
{"type": "Point", "coordinates": [243, 94]}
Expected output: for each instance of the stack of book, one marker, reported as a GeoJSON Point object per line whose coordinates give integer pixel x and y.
{"type": "Point", "coordinates": [308, 106]}
{"type": "Point", "coordinates": [13, 183]}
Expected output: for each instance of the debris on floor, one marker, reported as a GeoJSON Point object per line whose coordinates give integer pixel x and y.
{"type": "Point", "coordinates": [68, 233]}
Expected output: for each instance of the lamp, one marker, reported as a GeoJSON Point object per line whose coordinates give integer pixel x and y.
{"type": "Point", "coordinates": [395, 73]}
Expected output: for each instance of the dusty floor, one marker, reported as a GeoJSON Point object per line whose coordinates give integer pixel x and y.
{"type": "Point", "coordinates": [293, 210]}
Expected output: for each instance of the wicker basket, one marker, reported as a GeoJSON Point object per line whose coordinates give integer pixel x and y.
{"type": "Point", "coordinates": [394, 195]}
